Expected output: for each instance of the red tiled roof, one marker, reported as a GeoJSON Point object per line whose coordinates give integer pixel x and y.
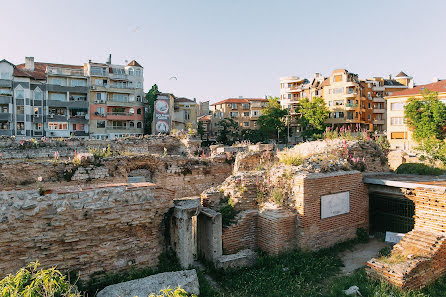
{"type": "Point", "coordinates": [204, 118]}
{"type": "Point", "coordinates": [40, 69]}
{"type": "Point", "coordinates": [239, 100]}
{"type": "Point", "coordinates": [183, 99]}
{"type": "Point", "coordinates": [439, 87]}
{"type": "Point", "coordinates": [134, 63]}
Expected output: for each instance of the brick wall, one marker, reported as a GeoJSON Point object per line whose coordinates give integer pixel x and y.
{"type": "Point", "coordinates": [276, 231]}
{"type": "Point", "coordinates": [110, 228]}
{"type": "Point", "coordinates": [316, 233]}
{"type": "Point", "coordinates": [242, 234]}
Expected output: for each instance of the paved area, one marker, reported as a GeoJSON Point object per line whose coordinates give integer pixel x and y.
{"type": "Point", "coordinates": [360, 254]}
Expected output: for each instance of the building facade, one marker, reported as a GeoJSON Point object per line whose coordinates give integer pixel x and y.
{"type": "Point", "coordinates": [185, 114]}
{"type": "Point", "coordinates": [399, 134]}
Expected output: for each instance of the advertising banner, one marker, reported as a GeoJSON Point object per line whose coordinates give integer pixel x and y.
{"type": "Point", "coordinates": [162, 115]}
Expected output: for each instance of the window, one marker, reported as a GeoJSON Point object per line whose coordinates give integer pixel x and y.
{"type": "Point", "coordinates": [138, 111]}
{"type": "Point", "coordinates": [38, 126]}
{"type": "Point", "coordinates": [289, 96]}
{"type": "Point", "coordinates": [57, 81]}
{"type": "Point", "coordinates": [233, 114]}
{"type": "Point", "coordinates": [139, 125]}
{"type": "Point", "coordinates": [100, 124]}
{"type": "Point", "coordinates": [246, 114]}
{"type": "Point", "coordinates": [245, 106]}
{"type": "Point", "coordinates": [100, 82]}
{"type": "Point", "coordinates": [120, 97]}
{"type": "Point", "coordinates": [139, 85]}
{"type": "Point", "coordinates": [100, 110]}
{"type": "Point", "coordinates": [58, 96]}
{"type": "Point", "coordinates": [100, 97]}
{"type": "Point", "coordinates": [5, 75]}
{"type": "Point", "coordinates": [254, 124]}
{"type": "Point", "coordinates": [255, 113]}
{"type": "Point", "coordinates": [337, 78]}
{"type": "Point", "coordinates": [234, 105]}
{"type": "Point", "coordinates": [370, 105]}
{"type": "Point", "coordinates": [78, 83]}
{"type": "Point", "coordinates": [138, 72]}
{"type": "Point", "coordinates": [131, 71]}
{"type": "Point", "coordinates": [398, 135]}
{"type": "Point", "coordinates": [138, 98]}
{"type": "Point", "coordinates": [37, 111]}
{"type": "Point", "coordinates": [329, 103]}
{"type": "Point", "coordinates": [78, 127]}
{"type": "Point", "coordinates": [57, 126]}
{"type": "Point", "coordinates": [20, 94]}
{"type": "Point", "coordinates": [397, 121]}
{"type": "Point", "coordinates": [132, 125]}
{"type": "Point", "coordinates": [20, 126]}
{"type": "Point", "coordinates": [397, 106]}
{"type": "Point", "coordinates": [38, 94]}
{"type": "Point", "coordinates": [131, 111]}
{"type": "Point", "coordinates": [338, 102]}
{"type": "Point", "coordinates": [350, 115]}
{"type": "Point", "coordinates": [97, 71]}
{"type": "Point", "coordinates": [246, 124]}
{"type": "Point", "coordinates": [20, 110]}
{"type": "Point", "coordinates": [187, 115]}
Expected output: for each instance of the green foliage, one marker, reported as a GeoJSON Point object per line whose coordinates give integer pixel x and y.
{"type": "Point", "coordinates": [313, 116]}
{"type": "Point", "coordinates": [362, 235]}
{"type": "Point", "coordinates": [227, 211]}
{"type": "Point", "coordinates": [290, 158]}
{"type": "Point", "coordinates": [32, 282]}
{"type": "Point", "coordinates": [177, 292]}
{"type": "Point", "coordinates": [418, 168]}
{"type": "Point", "coordinates": [253, 136]}
{"type": "Point", "coordinates": [427, 118]}
{"type": "Point", "coordinates": [100, 153]}
{"type": "Point", "coordinates": [272, 119]}
{"type": "Point", "coordinates": [277, 196]}
{"type": "Point", "coordinates": [228, 131]}
{"type": "Point", "coordinates": [148, 116]}
{"type": "Point", "coordinates": [200, 129]}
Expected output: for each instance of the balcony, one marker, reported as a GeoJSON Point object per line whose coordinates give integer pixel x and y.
{"type": "Point", "coordinates": [379, 110]}
{"type": "Point", "coordinates": [64, 89]}
{"type": "Point", "coordinates": [5, 116]}
{"type": "Point", "coordinates": [378, 89]}
{"type": "Point", "coordinates": [124, 104]}
{"type": "Point", "coordinates": [378, 122]}
{"type": "Point", "coordinates": [119, 76]}
{"type": "Point", "coordinates": [81, 133]}
{"type": "Point", "coordinates": [5, 99]}
{"type": "Point", "coordinates": [5, 132]}
{"type": "Point", "coordinates": [81, 119]}
{"type": "Point", "coordinates": [352, 94]}
{"type": "Point", "coordinates": [57, 118]}
{"type": "Point", "coordinates": [6, 83]}
{"type": "Point", "coordinates": [351, 105]}
{"type": "Point", "coordinates": [99, 73]}
{"type": "Point", "coordinates": [70, 104]}
{"type": "Point", "coordinates": [50, 70]}
{"type": "Point", "coordinates": [379, 100]}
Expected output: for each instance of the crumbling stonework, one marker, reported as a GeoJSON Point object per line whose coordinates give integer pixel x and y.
{"type": "Point", "coordinates": [108, 228]}
{"type": "Point", "coordinates": [242, 234]}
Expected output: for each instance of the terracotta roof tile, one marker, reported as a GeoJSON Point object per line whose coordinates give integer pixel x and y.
{"type": "Point", "coordinates": [40, 69]}
{"type": "Point", "coordinates": [134, 63]}
{"type": "Point", "coordinates": [439, 87]}
{"type": "Point", "coordinates": [239, 100]}
{"type": "Point", "coordinates": [401, 74]}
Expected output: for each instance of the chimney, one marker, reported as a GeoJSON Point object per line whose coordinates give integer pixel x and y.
{"type": "Point", "coordinates": [435, 79]}
{"type": "Point", "coordinates": [390, 76]}
{"type": "Point", "coordinates": [109, 59]}
{"type": "Point", "coordinates": [29, 63]}
{"type": "Point", "coordinates": [89, 61]}
{"type": "Point", "coordinates": [240, 97]}
{"type": "Point", "coordinates": [195, 99]}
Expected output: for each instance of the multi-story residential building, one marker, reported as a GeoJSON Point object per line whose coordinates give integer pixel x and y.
{"type": "Point", "coordinates": [6, 102]}
{"type": "Point", "coordinates": [116, 99]}
{"type": "Point", "coordinates": [244, 111]}
{"type": "Point", "coordinates": [206, 122]}
{"type": "Point", "coordinates": [203, 108]}
{"type": "Point", "coordinates": [185, 114]}
{"type": "Point", "coordinates": [398, 133]}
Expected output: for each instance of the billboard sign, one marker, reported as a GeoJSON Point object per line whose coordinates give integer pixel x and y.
{"type": "Point", "coordinates": [162, 115]}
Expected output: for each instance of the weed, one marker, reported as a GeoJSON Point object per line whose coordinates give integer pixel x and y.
{"type": "Point", "coordinates": [277, 196]}
{"type": "Point", "coordinates": [290, 158]}
{"type": "Point", "coordinates": [227, 211]}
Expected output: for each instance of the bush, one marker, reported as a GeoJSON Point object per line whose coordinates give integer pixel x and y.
{"type": "Point", "coordinates": [290, 158]}
{"type": "Point", "coordinates": [177, 292]}
{"type": "Point", "coordinates": [362, 235]}
{"type": "Point", "coordinates": [30, 281]}
{"type": "Point", "coordinates": [227, 211]}
{"type": "Point", "coordinates": [419, 168]}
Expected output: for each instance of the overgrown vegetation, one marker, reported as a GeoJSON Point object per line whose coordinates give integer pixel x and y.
{"type": "Point", "coordinates": [418, 168]}
{"type": "Point", "coordinates": [34, 282]}
{"type": "Point", "coordinates": [272, 122]}
{"type": "Point", "coordinates": [176, 292]}
{"type": "Point", "coordinates": [291, 158]}
{"type": "Point", "coordinates": [227, 211]}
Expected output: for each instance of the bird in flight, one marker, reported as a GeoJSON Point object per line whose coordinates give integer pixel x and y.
{"type": "Point", "coordinates": [173, 77]}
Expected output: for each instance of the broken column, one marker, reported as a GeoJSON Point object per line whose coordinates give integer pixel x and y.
{"type": "Point", "coordinates": [183, 229]}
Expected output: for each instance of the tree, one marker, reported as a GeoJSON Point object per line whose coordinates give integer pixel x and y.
{"type": "Point", "coordinates": [426, 116]}
{"type": "Point", "coordinates": [272, 121]}
{"type": "Point", "coordinates": [200, 129]}
{"type": "Point", "coordinates": [228, 131]}
{"type": "Point", "coordinates": [253, 136]}
{"type": "Point", "coordinates": [150, 100]}
{"type": "Point", "coordinates": [313, 115]}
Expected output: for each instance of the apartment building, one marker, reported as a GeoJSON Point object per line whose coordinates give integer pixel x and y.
{"type": "Point", "coordinates": [6, 103]}
{"type": "Point", "coordinates": [398, 133]}
{"type": "Point", "coordinates": [244, 111]}
{"type": "Point", "coordinates": [116, 99]}
{"type": "Point", "coordinates": [185, 114]}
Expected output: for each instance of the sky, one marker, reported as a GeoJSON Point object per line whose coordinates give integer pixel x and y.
{"type": "Point", "coordinates": [219, 49]}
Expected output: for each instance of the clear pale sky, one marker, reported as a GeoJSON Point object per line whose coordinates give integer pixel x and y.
{"type": "Point", "coordinates": [230, 48]}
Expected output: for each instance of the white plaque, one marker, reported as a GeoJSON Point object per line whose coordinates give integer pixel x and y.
{"type": "Point", "coordinates": [393, 237]}
{"type": "Point", "coordinates": [335, 204]}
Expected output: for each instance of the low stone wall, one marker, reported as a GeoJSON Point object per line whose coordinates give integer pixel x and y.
{"type": "Point", "coordinates": [108, 228]}
{"type": "Point", "coordinates": [242, 188]}
{"type": "Point", "coordinates": [242, 234]}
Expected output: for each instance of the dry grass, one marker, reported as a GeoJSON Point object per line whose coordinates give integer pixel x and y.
{"type": "Point", "coordinates": [291, 158]}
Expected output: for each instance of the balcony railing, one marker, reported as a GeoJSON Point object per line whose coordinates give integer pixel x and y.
{"type": "Point", "coordinates": [64, 71]}
{"type": "Point", "coordinates": [351, 105]}
{"type": "Point", "coordinates": [119, 114]}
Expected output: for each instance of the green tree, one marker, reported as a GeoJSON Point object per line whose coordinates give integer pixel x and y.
{"type": "Point", "coordinates": [200, 129]}
{"type": "Point", "coordinates": [426, 116]}
{"type": "Point", "coordinates": [253, 136]}
{"type": "Point", "coordinates": [150, 101]}
{"type": "Point", "coordinates": [313, 115]}
{"type": "Point", "coordinates": [272, 121]}
{"type": "Point", "coordinates": [229, 131]}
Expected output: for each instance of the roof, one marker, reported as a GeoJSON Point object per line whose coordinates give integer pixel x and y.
{"type": "Point", "coordinates": [183, 99]}
{"type": "Point", "coordinates": [439, 87]}
{"type": "Point", "coordinates": [402, 74]}
{"type": "Point", "coordinates": [325, 83]}
{"type": "Point", "coordinates": [342, 70]}
{"type": "Point", "coordinates": [134, 63]}
{"type": "Point", "coordinates": [40, 69]}
{"type": "Point", "coordinates": [4, 60]}
{"type": "Point", "coordinates": [239, 100]}
{"type": "Point", "coordinates": [204, 118]}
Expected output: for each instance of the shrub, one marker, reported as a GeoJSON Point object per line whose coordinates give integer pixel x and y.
{"type": "Point", "coordinates": [30, 281]}
{"type": "Point", "coordinates": [277, 196]}
{"type": "Point", "coordinates": [362, 235]}
{"type": "Point", "coordinates": [290, 158]}
{"type": "Point", "coordinates": [419, 168]}
{"type": "Point", "coordinates": [177, 292]}
{"type": "Point", "coordinates": [227, 211]}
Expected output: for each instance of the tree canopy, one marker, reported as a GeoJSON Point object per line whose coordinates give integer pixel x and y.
{"type": "Point", "coordinates": [313, 115]}
{"type": "Point", "coordinates": [228, 131]}
{"type": "Point", "coordinates": [150, 99]}
{"type": "Point", "coordinates": [272, 120]}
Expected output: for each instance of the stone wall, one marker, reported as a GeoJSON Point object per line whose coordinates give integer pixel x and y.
{"type": "Point", "coordinates": [108, 228]}
{"type": "Point", "coordinates": [242, 188]}
{"type": "Point", "coordinates": [313, 231]}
